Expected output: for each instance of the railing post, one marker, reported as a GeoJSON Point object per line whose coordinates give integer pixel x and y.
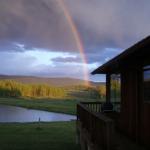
{"type": "Point", "coordinates": [108, 84]}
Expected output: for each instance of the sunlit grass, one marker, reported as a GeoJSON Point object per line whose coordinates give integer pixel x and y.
{"type": "Point", "coordinates": [54, 105]}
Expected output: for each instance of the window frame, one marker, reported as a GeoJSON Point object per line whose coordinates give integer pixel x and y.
{"type": "Point", "coordinates": [116, 98]}
{"type": "Point", "coordinates": [145, 68]}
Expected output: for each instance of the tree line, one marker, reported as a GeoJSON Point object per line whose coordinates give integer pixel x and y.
{"type": "Point", "coordinates": [10, 88]}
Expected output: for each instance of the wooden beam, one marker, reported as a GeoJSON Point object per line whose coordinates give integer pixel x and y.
{"type": "Point", "coordinates": [108, 86]}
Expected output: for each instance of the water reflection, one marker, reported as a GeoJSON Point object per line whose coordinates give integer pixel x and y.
{"type": "Point", "coordinates": [19, 114]}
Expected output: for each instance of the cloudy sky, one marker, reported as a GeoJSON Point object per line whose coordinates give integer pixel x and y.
{"type": "Point", "coordinates": [36, 37]}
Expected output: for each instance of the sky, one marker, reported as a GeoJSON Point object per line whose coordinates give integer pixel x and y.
{"type": "Point", "coordinates": [36, 37]}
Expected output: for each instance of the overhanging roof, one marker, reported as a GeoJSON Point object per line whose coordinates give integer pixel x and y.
{"type": "Point", "coordinates": [135, 54]}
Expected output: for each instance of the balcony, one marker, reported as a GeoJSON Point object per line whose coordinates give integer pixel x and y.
{"type": "Point", "coordinates": [96, 128]}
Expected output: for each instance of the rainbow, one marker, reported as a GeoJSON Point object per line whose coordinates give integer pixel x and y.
{"type": "Point", "coordinates": [77, 39]}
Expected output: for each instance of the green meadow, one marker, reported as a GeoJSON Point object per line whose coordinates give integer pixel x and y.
{"type": "Point", "coordinates": [34, 136]}
{"type": "Point", "coordinates": [54, 105]}
{"type": "Point", "coordinates": [43, 136]}
{"type": "Point", "coordinates": [46, 136]}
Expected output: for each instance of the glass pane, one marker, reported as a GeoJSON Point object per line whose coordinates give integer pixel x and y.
{"type": "Point", "coordinates": [116, 91]}
{"type": "Point", "coordinates": [115, 88]}
{"type": "Point", "coordinates": [147, 67]}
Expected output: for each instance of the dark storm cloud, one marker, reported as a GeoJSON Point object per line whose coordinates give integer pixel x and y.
{"type": "Point", "coordinates": [102, 24]}
{"type": "Point", "coordinates": [105, 55]}
{"type": "Point", "coordinates": [34, 23]}
{"type": "Point", "coordinates": [111, 23]}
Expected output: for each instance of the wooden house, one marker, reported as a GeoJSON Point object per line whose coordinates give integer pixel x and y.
{"type": "Point", "coordinates": [126, 110]}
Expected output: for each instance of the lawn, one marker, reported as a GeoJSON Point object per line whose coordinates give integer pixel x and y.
{"type": "Point", "coordinates": [54, 105]}
{"type": "Point", "coordinates": [34, 136]}
{"type": "Point", "coordinates": [43, 136]}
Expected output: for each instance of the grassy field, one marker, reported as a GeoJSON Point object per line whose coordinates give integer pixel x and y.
{"type": "Point", "coordinates": [30, 136]}
{"type": "Point", "coordinates": [54, 105]}
{"type": "Point", "coordinates": [34, 136]}
{"type": "Point", "coordinates": [43, 136]}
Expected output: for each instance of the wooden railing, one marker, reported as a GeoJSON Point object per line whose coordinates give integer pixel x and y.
{"type": "Point", "coordinates": [99, 126]}
{"type": "Point", "coordinates": [93, 106]}
{"type": "Point", "coordinates": [97, 106]}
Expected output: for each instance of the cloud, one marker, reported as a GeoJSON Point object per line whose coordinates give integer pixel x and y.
{"type": "Point", "coordinates": [101, 24]}
{"type": "Point", "coordinates": [115, 23]}
{"type": "Point", "coordinates": [103, 56]}
{"type": "Point", "coordinates": [36, 24]}
{"type": "Point", "coordinates": [106, 28]}
{"type": "Point", "coordinates": [69, 59]}
{"type": "Point", "coordinates": [18, 64]}
{"type": "Point", "coordinates": [63, 70]}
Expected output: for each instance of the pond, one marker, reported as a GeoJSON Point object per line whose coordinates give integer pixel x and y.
{"type": "Point", "coordinates": [19, 114]}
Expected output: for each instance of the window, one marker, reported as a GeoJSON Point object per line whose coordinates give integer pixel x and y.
{"type": "Point", "coordinates": [146, 84]}
{"type": "Point", "coordinates": [115, 88]}
{"type": "Point", "coordinates": [115, 91]}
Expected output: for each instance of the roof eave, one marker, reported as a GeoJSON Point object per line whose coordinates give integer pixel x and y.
{"type": "Point", "coordinates": [114, 62]}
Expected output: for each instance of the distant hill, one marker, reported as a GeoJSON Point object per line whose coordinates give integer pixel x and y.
{"type": "Point", "coordinates": [49, 81]}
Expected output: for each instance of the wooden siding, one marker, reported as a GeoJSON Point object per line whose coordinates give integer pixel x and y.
{"type": "Point", "coordinates": [135, 112]}
{"type": "Point", "coordinates": [145, 124]}
{"type": "Point", "coordinates": [129, 103]}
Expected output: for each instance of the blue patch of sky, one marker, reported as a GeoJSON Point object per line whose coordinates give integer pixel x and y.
{"type": "Point", "coordinates": [45, 56]}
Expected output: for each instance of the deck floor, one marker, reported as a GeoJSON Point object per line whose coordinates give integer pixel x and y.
{"type": "Point", "coordinates": [124, 143]}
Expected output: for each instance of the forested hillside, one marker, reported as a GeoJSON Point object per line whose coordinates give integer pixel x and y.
{"type": "Point", "coordinates": [11, 88]}
{"type": "Point", "coordinates": [50, 81]}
